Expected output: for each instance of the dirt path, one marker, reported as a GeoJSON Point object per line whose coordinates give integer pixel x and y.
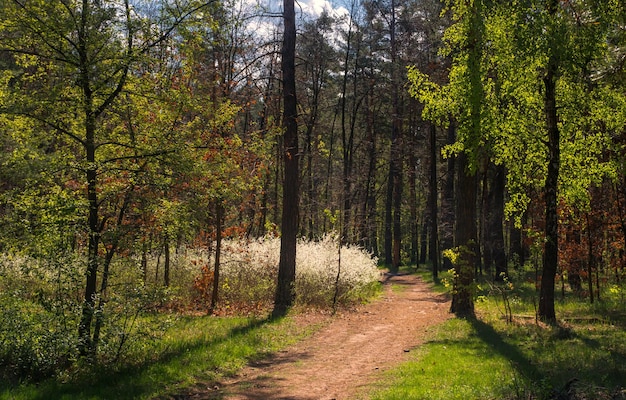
{"type": "Point", "coordinates": [343, 357]}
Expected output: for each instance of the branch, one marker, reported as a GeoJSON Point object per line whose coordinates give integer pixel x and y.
{"type": "Point", "coordinates": [48, 27]}
{"type": "Point", "coordinates": [44, 121]}
{"type": "Point", "coordinates": [139, 156]}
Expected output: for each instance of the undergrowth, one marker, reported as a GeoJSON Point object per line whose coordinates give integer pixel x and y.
{"type": "Point", "coordinates": [193, 351]}
{"type": "Point", "coordinates": [41, 304]}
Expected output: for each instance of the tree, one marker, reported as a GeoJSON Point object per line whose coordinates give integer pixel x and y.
{"type": "Point", "coordinates": [289, 224]}
{"type": "Point", "coordinates": [318, 62]}
{"type": "Point", "coordinates": [522, 89]}
{"type": "Point", "coordinates": [432, 202]}
{"type": "Point", "coordinates": [84, 54]}
{"type": "Point", "coordinates": [562, 43]}
{"type": "Point", "coordinates": [551, 250]}
{"type": "Point", "coordinates": [470, 17]}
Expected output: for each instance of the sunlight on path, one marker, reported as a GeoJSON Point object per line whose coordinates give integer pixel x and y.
{"type": "Point", "coordinates": [344, 357]}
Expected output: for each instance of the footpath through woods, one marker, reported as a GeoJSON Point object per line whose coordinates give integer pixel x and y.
{"type": "Point", "coordinates": [346, 356]}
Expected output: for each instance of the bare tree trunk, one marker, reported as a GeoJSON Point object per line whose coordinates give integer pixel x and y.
{"type": "Point", "coordinates": [395, 168]}
{"type": "Point", "coordinates": [499, 255]}
{"type": "Point", "coordinates": [285, 294]}
{"type": "Point", "coordinates": [413, 207]}
{"type": "Point", "coordinates": [166, 263]}
{"type": "Point", "coordinates": [371, 201]}
{"type": "Point", "coordinates": [432, 204]}
{"type": "Point", "coordinates": [495, 255]}
{"type": "Point", "coordinates": [388, 234]}
{"type": "Point", "coordinates": [423, 241]}
{"type": "Point", "coordinates": [219, 216]}
{"type": "Point", "coordinates": [516, 252]}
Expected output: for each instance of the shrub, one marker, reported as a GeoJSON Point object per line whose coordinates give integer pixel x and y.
{"type": "Point", "coordinates": [41, 304]}
{"type": "Point", "coordinates": [249, 270]}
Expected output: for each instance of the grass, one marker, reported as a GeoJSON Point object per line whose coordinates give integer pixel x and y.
{"type": "Point", "coordinates": [446, 368]}
{"type": "Point", "coordinates": [486, 358]}
{"type": "Point", "coordinates": [482, 358]}
{"type": "Point", "coordinates": [40, 307]}
{"type": "Point", "coordinates": [195, 350]}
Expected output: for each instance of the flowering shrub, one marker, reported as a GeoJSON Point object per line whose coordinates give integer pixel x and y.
{"type": "Point", "coordinates": [249, 270]}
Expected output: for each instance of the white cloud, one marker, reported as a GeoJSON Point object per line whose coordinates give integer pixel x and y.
{"type": "Point", "coordinates": [308, 8]}
{"type": "Point", "coordinates": [315, 8]}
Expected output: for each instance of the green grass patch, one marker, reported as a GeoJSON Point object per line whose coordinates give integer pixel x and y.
{"type": "Point", "coordinates": [486, 358]}
{"type": "Point", "coordinates": [193, 350]}
{"type": "Point", "coordinates": [439, 285]}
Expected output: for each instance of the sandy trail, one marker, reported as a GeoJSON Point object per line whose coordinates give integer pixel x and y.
{"type": "Point", "coordinates": [343, 358]}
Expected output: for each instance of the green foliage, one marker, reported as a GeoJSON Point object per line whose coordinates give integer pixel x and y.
{"type": "Point", "coordinates": [34, 343]}
{"type": "Point", "coordinates": [41, 306]}
{"type": "Point", "coordinates": [513, 61]}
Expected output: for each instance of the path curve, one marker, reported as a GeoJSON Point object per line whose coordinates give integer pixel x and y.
{"type": "Point", "coordinates": [343, 357]}
{"type": "Point", "coordinates": [341, 360]}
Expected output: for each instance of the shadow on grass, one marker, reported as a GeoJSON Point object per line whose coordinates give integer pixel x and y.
{"type": "Point", "coordinates": [561, 357]}
{"type": "Point", "coordinates": [134, 381]}
{"type": "Point", "coordinates": [493, 339]}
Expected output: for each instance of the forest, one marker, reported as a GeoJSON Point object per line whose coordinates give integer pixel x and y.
{"type": "Point", "coordinates": [192, 160]}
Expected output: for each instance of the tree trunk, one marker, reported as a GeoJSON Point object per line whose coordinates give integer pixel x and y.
{"type": "Point", "coordinates": [465, 232]}
{"type": "Point", "coordinates": [144, 261]}
{"type": "Point", "coordinates": [466, 235]}
{"type": "Point", "coordinates": [494, 227]}
{"type": "Point", "coordinates": [91, 275]}
{"type": "Point", "coordinates": [516, 252]}
{"type": "Point", "coordinates": [219, 216]}
{"type": "Point", "coordinates": [432, 204]}
{"type": "Point", "coordinates": [347, 139]}
{"type": "Point", "coordinates": [413, 207]}
{"type": "Point", "coordinates": [388, 234]}
{"type": "Point", "coordinates": [551, 248]}
{"type": "Point", "coordinates": [104, 284]}
{"type": "Point", "coordinates": [370, 225]}
{"type": "Point", "coordinates": [285, 294]}
{"type": "Point", "coordinates": [166, 263]}
{"type": "Point", "coordinates": [397, 220]}
{"type": "Point", "coordinates": [447, 209]}
{"type": "Point", "coordinates": [395, 169]}
{"type": "Point", "coordinates": [590, 259]}
{"type": "Point", "coordinates": [423, 241]}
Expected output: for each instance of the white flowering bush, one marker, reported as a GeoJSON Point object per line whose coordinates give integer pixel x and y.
{"type": "Point", "coordinates": [319, 263]}
{"type": "Point", "coordinates": [249, 270]}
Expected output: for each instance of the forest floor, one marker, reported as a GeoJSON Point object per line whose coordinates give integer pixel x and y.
{"type": "Point", "coordinates": [344, 358]}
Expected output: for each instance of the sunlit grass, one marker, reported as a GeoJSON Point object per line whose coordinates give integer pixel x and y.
{"type": "Point", "coordinates": [488, 358]}
{"type": "Point", "coordinates": [445, 368]}
{"type": "Point", "coordinates": [193, 351]}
